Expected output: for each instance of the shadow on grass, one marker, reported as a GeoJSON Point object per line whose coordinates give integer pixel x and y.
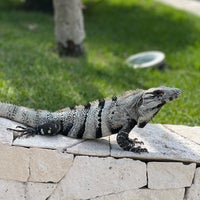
{"type": "Point", "coordinates": [137, 27]}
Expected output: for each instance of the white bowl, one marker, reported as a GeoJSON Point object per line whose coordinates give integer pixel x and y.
{"type": "Point", "coordinates": [146, 59]}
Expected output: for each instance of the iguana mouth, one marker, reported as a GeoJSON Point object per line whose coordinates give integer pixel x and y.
{"type": "Point", "coordinates": [175, 96]}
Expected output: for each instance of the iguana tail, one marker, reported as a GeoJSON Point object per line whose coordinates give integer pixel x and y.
{"type": "Point", "coordinates": [26, 116]}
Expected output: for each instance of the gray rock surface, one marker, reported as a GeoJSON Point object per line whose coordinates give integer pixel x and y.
{"type": "Point", "coordinates": [48, 165]}
{"type": "Point", "coordinates": [145, 194]}
{"type": "Point", "coordinates": [191, 133]}
{"type": "Point", "coordinates": [100, 147]}
{"type": "Point", "coordinates": [161, 143]}
{"type": "Point", "coordinates": [164, 142]}
{"type": "Point", "coordinates": [6, 137]}
{"type": "Point", "coordinates": [12, 190]}
{"type": "Point", "coordinates": [39, 191]}
{"type": "Point", "coordinates": [14, 163]}
{"type": "Point", "coordinates": [170, 175]}
{"type": "Point", "coordinates": [52, 173]}
{"type": "Point", "coordinates": [193, 193]}
{"type": "Point", "coordinates": [54, 142]}
{"type": "Point", "coordinates": [123, 174]}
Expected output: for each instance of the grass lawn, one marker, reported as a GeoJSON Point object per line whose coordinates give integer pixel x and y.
{"type": "Point", "coordinates": [33, 75]}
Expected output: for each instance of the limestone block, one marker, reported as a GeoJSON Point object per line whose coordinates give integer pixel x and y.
{"type": "Point", "coordinates": [12, 190]}
{"type": "Point", "coordinates": [58, 195]}
{"type": "Point", "coordinates": [48, 165]}
{"type": "Point", "coordinates": [145, 194]}
{"type": "Point", "coordinates": [93, 176]}
{"type": "Point", "coordinates": [193, 193]}
{"type": "Point", "coordinates": [39, 191]}
{"type": "Point", "coordinates": [14, 163]}
{"type": "Point", "coordinates": [6, 137]}
{"type": "Point", "coordinates": [53, 142]}
{"type": "Point", "coordinates": [169, 175]}
{"type": "Point", "coordinates": [190, 132]}
{"type": "Point", "coordinates": [161, 143]}
{"type": "Point", "coordinates": [100, 147]}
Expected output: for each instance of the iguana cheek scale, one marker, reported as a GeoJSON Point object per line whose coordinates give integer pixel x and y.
{"type": "Point", "coordinates": [96, 119]}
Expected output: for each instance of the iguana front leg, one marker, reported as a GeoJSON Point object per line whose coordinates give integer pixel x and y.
{"type": "Point", "coordinates": [126, 143]}
{"type": "Point", "coordinates": [50, 128]}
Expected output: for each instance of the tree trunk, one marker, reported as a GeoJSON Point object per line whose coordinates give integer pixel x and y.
{"type": "Point", "coordinates": [69, 27]}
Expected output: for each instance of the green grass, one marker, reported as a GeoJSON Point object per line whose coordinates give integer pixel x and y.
{"type": "Point", "coordinates": [33, 75]}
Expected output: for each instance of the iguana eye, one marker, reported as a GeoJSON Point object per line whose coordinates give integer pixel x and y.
{"type": "Point", "coordinates": [158, 93]}
{"type": "Point", "coordinates": [140, 102]}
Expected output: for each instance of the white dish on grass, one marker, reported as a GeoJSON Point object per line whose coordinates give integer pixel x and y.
{"type": "Point", "coordinates": [146, 59]}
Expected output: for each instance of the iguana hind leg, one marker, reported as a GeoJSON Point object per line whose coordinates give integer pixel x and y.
{"type": "Point", "coordinates": [50, 128]}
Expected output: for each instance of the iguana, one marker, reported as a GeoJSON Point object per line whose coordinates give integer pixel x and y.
{"type": "Point", "coordinates": [96, 119]}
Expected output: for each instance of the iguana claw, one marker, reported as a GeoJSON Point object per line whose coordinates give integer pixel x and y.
{"type": "Point", "coordinates": [28, 131]}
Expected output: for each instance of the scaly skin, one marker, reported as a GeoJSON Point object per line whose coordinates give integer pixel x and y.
{"type": "Point", "coordinates": [97, 119]}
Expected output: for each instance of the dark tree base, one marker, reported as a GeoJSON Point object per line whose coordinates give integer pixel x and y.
{"type": "Point", "coordinates": [72, 49]}
{"type": "Point", "coordinates": [38, 5]}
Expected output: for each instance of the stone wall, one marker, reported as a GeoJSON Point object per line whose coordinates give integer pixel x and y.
{"type": "Point", "coordinates": [60, 168]}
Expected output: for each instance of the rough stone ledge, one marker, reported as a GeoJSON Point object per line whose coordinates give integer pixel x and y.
{"type": "Point", "coordinates": [68, 169]}
{"type": "Point", "coordinates": [164, 142]}
{"type": "Point", "coordinates": [101, 176]}
{"type": "Point", "coordinates": [170, 175]}
{"type": "Point", "coordinates": [146, 194]}
{"type": "Point", "coordinates": [35, 165]}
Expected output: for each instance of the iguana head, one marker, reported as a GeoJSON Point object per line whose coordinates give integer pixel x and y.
{"type": "Point", "coordinates": [152, 101]}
